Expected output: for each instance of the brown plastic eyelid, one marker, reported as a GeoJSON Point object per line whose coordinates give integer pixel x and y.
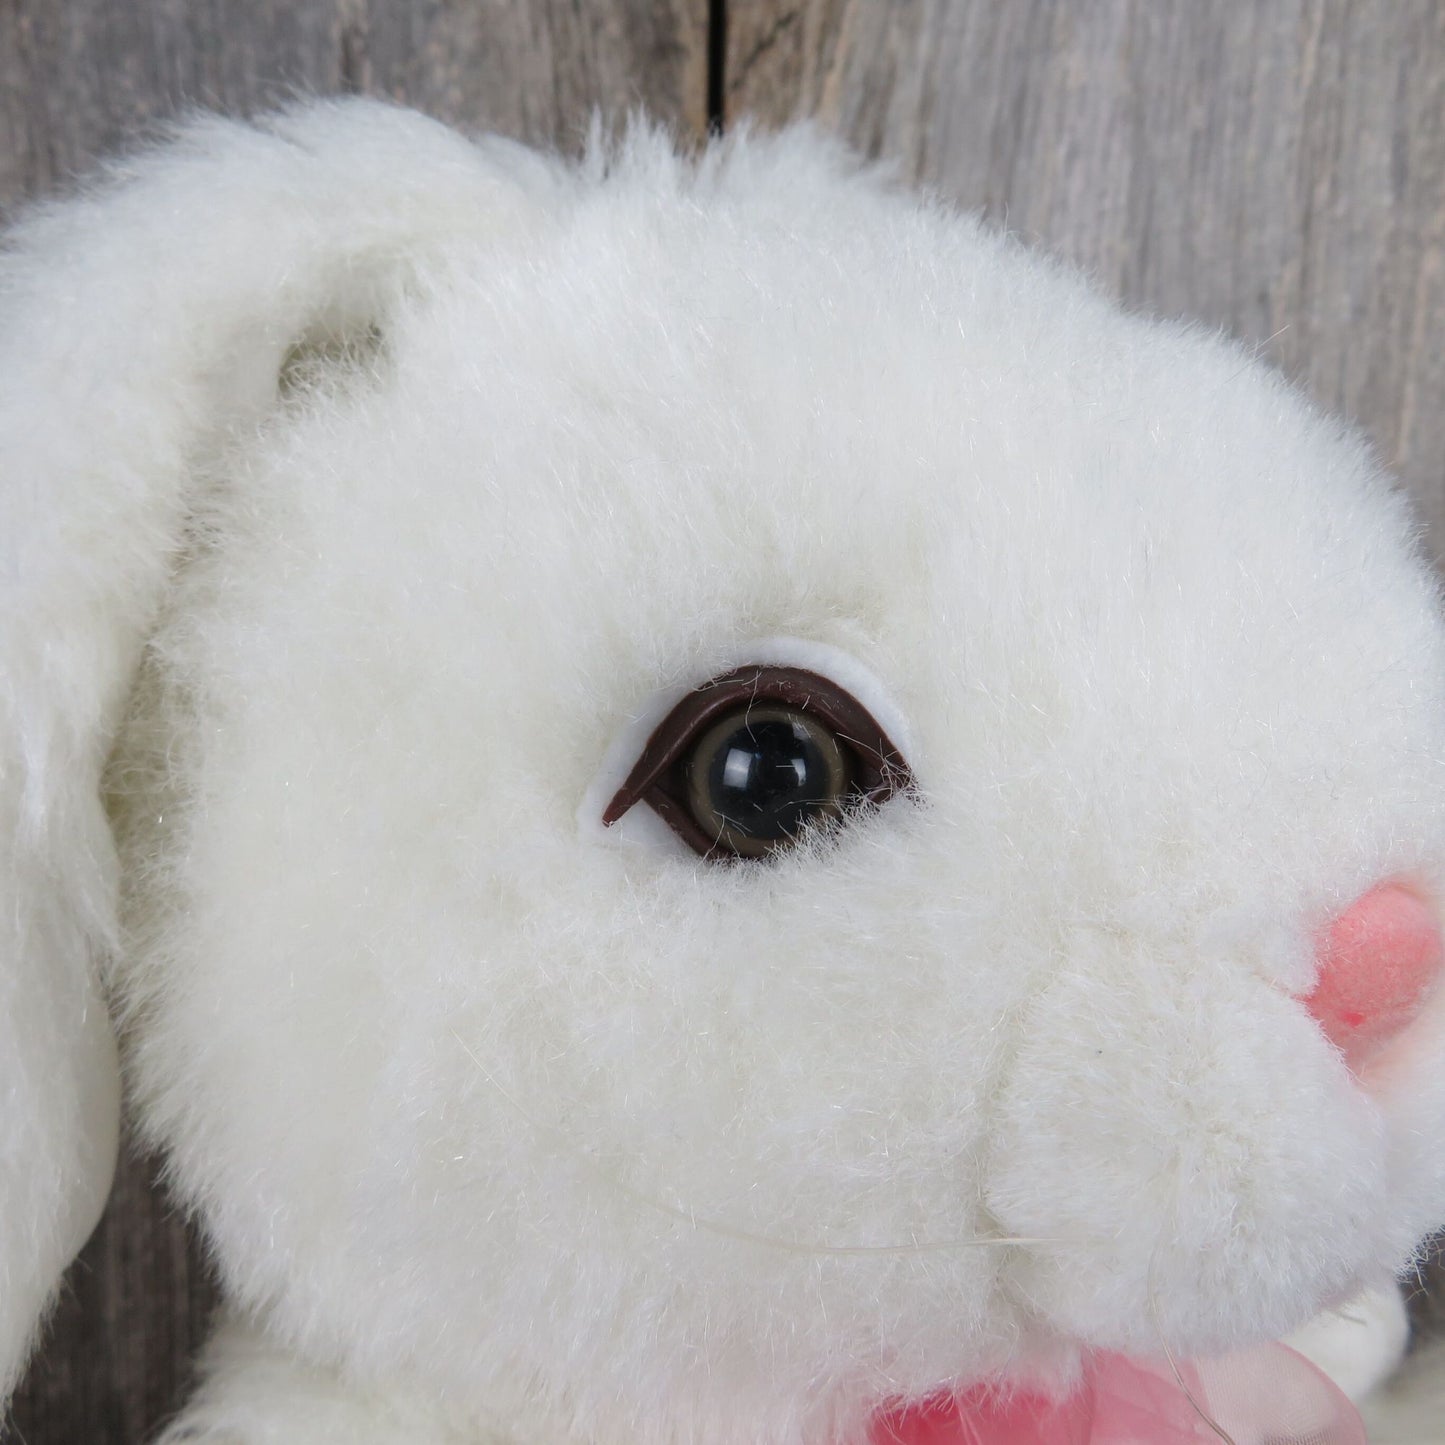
{"type": "Point", "coordinates": [881, 770]}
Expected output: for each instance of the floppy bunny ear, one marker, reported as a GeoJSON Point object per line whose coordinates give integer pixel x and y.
{"type": "Point", "coordinates": [140, 324]}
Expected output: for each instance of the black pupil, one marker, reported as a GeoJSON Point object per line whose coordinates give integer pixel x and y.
{"type": "Point", "coordinates": [767, 778]}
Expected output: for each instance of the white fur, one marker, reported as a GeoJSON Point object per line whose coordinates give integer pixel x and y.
{"type": "Point", "coordinates": [1360, 1343]}
{"type": "Point", "coordinates": [252, 1393]}
{"type": "Point", "coordinates": [581, 1141]}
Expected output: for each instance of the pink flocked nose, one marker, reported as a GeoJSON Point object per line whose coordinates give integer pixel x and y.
{"type": "Point", "coordinates": [1378, 961]}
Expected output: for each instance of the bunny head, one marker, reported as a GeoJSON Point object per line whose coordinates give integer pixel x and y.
{"type": "Point", "coordinates": [416, 551]}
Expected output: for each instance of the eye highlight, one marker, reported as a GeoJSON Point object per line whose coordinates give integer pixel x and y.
{"type": "Point", "coordinates": [748, 762]}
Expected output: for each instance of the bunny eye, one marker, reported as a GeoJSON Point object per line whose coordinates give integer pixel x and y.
{"type": "Point", "coordinates": [761, 773]}
{"type": "Point", "coordinates": [748, 762]}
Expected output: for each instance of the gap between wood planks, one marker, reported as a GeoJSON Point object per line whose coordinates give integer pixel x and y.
{"type": "Point", "coordinates": [717, 51]}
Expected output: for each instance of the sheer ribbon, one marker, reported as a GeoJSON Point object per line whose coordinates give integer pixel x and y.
{"type": "Point", "coordinates": [1267, 1396]}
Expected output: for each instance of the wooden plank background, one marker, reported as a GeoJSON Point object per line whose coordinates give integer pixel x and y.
{"type": "Point", "coordinates": [1274, 167]}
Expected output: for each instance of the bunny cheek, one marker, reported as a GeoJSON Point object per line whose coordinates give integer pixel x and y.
{"type": "Point", "coordinates": [1204, 1178]}
{"type": "Point", "coordinates": [1379, 963]}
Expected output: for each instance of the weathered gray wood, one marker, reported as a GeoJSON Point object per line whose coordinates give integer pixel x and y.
{"type": "Point", "coordinates": [77, 78]}
{"type": "Point", "coordinates": [136, 1303]}
{"type": "Point", "coordinates": [1426, 1294]}
{"type": "Point", "coordinates": [1273, 167]}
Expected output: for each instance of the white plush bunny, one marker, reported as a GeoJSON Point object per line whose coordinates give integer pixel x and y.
{"type": "Point", "coordinates": [709, 802]}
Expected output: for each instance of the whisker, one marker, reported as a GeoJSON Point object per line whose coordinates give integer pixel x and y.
{"type": "Point", "coordinates": [1174, 1369]}
{"type": "Point", "coordinates": [730, 1231]}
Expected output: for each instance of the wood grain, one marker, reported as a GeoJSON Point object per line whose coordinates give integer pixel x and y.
{"type": "Point", "coordinates": [78, 77]}
{"type": "Point", "coordinates": [134, 1312]}
{"type": "Point", "coordinates": [1275, 168]}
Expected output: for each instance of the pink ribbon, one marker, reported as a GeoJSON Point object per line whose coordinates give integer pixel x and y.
{"type": "Point", "coordinates": [1267, 1396]}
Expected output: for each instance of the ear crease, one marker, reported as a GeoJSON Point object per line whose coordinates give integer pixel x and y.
{"type": "Point", "coordinates": [329, 356]}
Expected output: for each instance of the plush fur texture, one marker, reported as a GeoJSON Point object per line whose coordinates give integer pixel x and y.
{"type": "Point", "coordinates": [389, 475]}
